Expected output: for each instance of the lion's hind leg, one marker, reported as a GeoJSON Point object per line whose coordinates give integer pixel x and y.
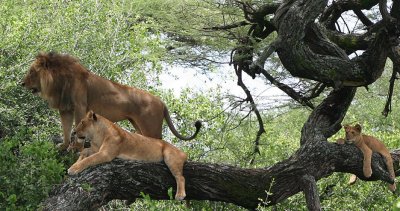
{"type": "Point", "coordinates": [367, 152]}
{"type": "Point", "coordinates": [175, 160]}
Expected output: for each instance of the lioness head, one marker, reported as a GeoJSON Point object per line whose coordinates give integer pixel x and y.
{"type": "Point", "coordinates": [36, 74]}
{"type": "Point", "coordinates": [86, 126]}
{"type": "Point", "coordinates": [352, 132]}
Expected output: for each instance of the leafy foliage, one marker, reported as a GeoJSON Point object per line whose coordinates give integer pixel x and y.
{"type": "Point", "coordinates": [130, 42]}
{"type": "Point", "coordinates": [28, 170]}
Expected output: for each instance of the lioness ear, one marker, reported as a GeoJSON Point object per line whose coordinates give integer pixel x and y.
{"type": "Point", "coordinates": [358, 127]}
{"type": "Point", "coordinates": [92, 115]}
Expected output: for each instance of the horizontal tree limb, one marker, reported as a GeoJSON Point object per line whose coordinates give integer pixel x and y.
{"type": "Point", "coordinates": [121, 179]}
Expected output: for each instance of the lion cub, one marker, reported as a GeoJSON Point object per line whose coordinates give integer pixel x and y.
{"type": "Point", "coordinates": [109, 141]}
{"type": "Point", "coordinates": [368, 144]}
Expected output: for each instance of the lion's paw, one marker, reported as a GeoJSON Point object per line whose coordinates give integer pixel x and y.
{"type": "Point", "coordinates": [367, 172]}
{"type": "Point", "coordinates": [62, 146]}
{"type": "Point", "coordinates": [73, 170]}
{"type": "Point", "coordinates": [392, 187]}
{"type": "Point", "coordinates": [340, 141]}
{"type": "Point", "coordinates": [180, 196]}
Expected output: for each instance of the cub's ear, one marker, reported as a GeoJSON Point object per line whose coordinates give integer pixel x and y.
{"type": "Point", "coordinates": [358, 127]}
{"type": "Point", "coordinates": [92, 115]}
{"type": "Point", "coordinates": [345, 126]}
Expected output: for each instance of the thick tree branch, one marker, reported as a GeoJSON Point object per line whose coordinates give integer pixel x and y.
{"type": "Point", "coordinates": [125, 180]}
{"type": "Point", "coordinates": [350, 42]}
{"type": "Point", "coordinates": [325, 120]}
{"type": "Point", "coordinates": [306, 51]}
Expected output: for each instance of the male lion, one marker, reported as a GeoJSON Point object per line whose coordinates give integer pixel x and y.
{"type": "Point", "coordinates": [109, 141]}
{"type": "Point", "coordinates": [367, 144]}
{"type": "Point", "coordinates": [69, 87]}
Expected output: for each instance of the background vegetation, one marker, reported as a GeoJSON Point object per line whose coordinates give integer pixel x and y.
{"type": "Point", "coordinates": [133, 42]}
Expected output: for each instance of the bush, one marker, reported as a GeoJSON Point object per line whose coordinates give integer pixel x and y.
{"type": "Point", "coordinates": [28, 171]}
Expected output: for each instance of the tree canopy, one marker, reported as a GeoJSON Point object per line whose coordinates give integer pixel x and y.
{"type": "Point", "coordinates": [337, 62]}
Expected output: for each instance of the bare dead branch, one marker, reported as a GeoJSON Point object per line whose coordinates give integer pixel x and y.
{"type": "Point", "coordinates": [364, 19]}
{"type": "Point", "coordinates": [285, 88]}
{"type": "Point", "coordinates": [330, 16]}
{"type": "Point", "coordinates": [316, 91]}
{"type": "Point", "coordinates": [388, 105]}
{"type": "Point", "coordinates": [250, 99]}
{"type": "Point", "coordinates": [226, 27]}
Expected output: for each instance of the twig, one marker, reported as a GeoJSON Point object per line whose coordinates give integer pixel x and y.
{"type": "Point", "coordinates": [388, 106]}
{"type": "Point", "coordinates": [318, 89]}
{"type": "Point", "coordinates": [250, 99]}
{"type": "Point", "coordinates": [364, 19]}
{"type": "Point", "coordinates": [288, 90]}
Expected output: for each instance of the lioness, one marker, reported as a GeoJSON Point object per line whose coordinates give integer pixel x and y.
{"type": "Point", "coordinates": [368, 144]}
{"type": "Point", "coordinates": [69, 87]}
{"type": "Point", "coordinates": [109, 141]}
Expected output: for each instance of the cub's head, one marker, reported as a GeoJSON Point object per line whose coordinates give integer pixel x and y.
{"type": "Point", "coordinates": [352, 132]}
{"type": "Point", "coordinates": [37, 72]}
{"type": "Point", "coordinates": [87, 126]}
{"type": "Point", "coordinates": [76, 144]}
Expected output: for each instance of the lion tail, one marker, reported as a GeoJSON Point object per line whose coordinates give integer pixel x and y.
{"type": "Point", "coordinates": [171, 126]}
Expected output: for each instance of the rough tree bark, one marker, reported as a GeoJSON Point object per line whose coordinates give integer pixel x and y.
{"type": "Point", "coordinates": [315, 159]}
{"type": "Point", "coordinates": [309, 47]}
{"type": "Point", "coordinates": [125, 180]}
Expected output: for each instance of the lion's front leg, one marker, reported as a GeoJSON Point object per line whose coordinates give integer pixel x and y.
{"type": "Point", "coordinates": [66, 120]}
{"type": "Point", "coordinates": [96, 158]}
{"type": "Point", "coordinates": [367, 152]}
